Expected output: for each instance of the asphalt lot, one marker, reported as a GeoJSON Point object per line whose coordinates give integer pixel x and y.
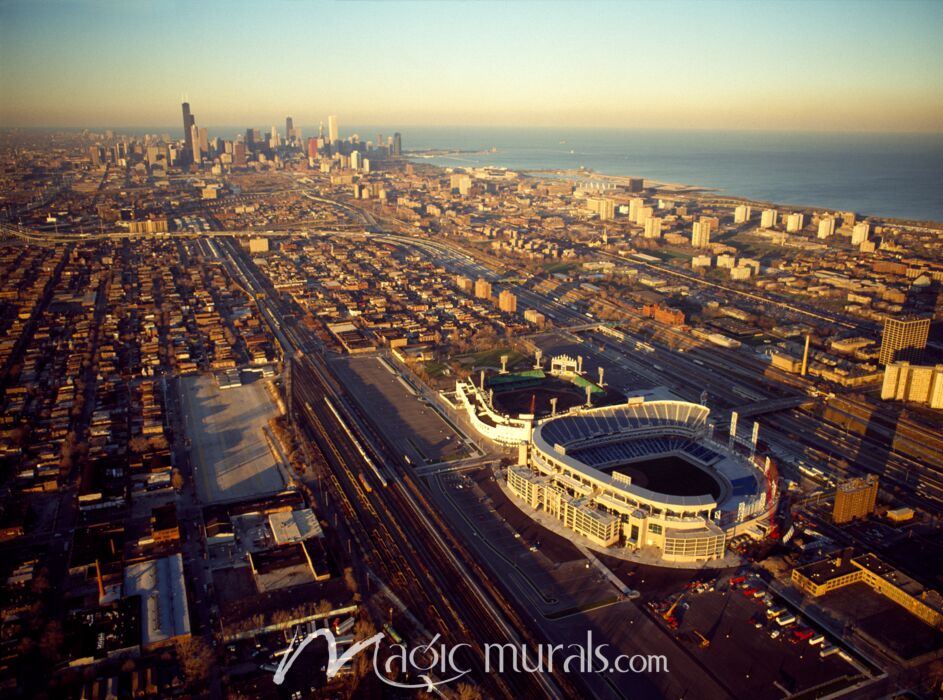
{"type": "Point", "coordinates": [228, 449]}
{"type": "Point", "coordinates": [413, 427]}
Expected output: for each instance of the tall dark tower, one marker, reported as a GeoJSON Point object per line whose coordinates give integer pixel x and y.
{"type": "Point", "coordinates": [289, 130]}
{"type": "Point", "coordinates": [397, 144]}
{"type": "Point", "coordinates": [188, 121]}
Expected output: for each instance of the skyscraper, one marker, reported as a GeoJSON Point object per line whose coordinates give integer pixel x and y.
{"type": "Point", "coordinates": [195, 144]}
{"type": "Point", "coordinates": [397, 144]}
{"type": "Point", "coordinates": [188, 121]}
{"type": "Point", "coordinates": [904, 339]}
{"type": "Point", "coordinates": [332, 129]}
{"type": "Point", "coordinates": [239, 154]}
{"type": "Point", "coordinates": [289, 130]}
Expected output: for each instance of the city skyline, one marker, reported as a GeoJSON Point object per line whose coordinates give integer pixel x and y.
{"type": "Point", "coordinates": [839, 67]}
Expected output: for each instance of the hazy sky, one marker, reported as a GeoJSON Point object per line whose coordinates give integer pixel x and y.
{"type": "Point", "coordinates": [779, 65]}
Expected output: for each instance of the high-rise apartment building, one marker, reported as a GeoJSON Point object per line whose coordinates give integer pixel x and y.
{"type": "Point", "coordinates": [464, 283]}
{"type": "Point", "coordinates": [769, 218]}
{"type": "Point", "coordinates": [605, 208]}
{"type": "Point", "coordinates": [653, 227]}
{"type": "Point", "coordinates": [826, 227]}
{"type": "Point", "coordinates": [742, 214]}
{"type": "Point", "coordinates": [507, 302]}
{"type": "Point", "coordinates": [332, 135]}
{"type": "Point", "coordinates": [860, 233]}
{"type": "Point", "coordinates": [482, 288]}
{"type": "Point", "coordinates": [701, 234]}
{"type": "Point", "coordinates": [855, 498]}
{"type": "Point", "coordinates": [795, 222]}
{"type": "Point", "coordinates": [903, 339]}
{"type": "Point", "coordinates": [918, 383]}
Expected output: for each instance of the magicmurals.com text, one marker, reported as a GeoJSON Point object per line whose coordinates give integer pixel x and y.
{"type": "Point", "coordinates": [436, 664]}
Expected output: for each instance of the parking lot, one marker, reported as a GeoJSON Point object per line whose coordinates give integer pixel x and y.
{"type": "Point", "coordinates": [748, 650]}
{"type": "Point", "coordinates": [405, 419]}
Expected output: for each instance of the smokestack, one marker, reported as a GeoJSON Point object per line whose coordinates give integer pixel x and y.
{"type": "Point", "coordinates": [805, 356]}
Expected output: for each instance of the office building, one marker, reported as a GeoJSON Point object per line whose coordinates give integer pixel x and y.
{"type": "Point", "coordinates": [356, 160]}
{"type": "Point", "coordinates": [312, 147]}
{"type": "Point", "coordinates": [855, 498]}
{"type": "Point", "coordinates": [826, 227]}
{"type": "Point", "coordinates": [507, 302]}
{"type": "Point", "coordinates": [188, 121]}
{"type": "Point", "coordinates": [903, 339]}
{"type": "Point", "coordinates": [795, 223]}
{"type": "Point", "coordinates": [332, 130]}
{"type": "Point", "coordinates": [918, 383]}
{"type": "Point", "coordinates": [653, 227]}
{"type": "Point", "coordinates": [482, 288]}
{"type": "Point", "coordinates": [701, 234]}
{"type": "Point", "coordinates": [769, 218]}
{"type": "Point", "coordinates": [860, 233]}
{"type": "Point", "coordinates": [397, 144]}
{"type": "Point", "coordinates": [635, 204]}
{"type": "Point", "coordinates": [274, 141]}
{"type": "Point", "coordinates": [636, 184]}
{"type": "Point", "coordinates": [239, 154]}
{"type": "Point", "coordinates": [742, 214]}
{"type": "Point", "coordinates": [289, 130]}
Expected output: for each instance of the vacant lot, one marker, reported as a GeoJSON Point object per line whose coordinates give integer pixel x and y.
{"type": "Point", "coordinates": [230, 455]}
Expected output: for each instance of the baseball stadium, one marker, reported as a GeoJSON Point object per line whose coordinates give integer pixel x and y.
{"type": "Point", "coordinates": [644, 475]}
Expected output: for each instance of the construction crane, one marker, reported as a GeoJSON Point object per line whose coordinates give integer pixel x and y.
{"type": "Point", "coordinates": [669, 614]}
{"type": "Point", "coordinates": [703, 641]}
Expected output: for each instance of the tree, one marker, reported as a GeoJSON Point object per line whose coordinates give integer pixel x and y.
{"type": "Point", "coordinates": [349, 579]}
{"type": "Point", "coordinates": [51, 641]}
{"type": "Point", "coordinates": [196, 658]}
{"type": "Point", "coordinates": [468, 692]}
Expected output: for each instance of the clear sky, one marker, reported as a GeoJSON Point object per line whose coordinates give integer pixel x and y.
{"type": "Point", "coordinates": [801, 65]}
